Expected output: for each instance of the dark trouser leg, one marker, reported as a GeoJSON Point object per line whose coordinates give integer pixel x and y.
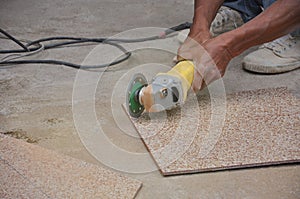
{"type": "Point", "coordinates": [248, 8]}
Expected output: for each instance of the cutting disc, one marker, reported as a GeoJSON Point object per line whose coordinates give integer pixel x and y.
{"type": "Point", "coordinates": [134, 107]}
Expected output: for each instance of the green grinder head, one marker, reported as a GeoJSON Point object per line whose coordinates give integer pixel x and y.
{"type": "Point", "coordinates": [134, 107]}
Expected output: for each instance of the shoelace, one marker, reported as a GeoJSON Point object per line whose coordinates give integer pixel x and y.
{"type": "Point", "coordinates": [281, 44]}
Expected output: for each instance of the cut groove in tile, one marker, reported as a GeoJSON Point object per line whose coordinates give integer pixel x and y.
{"type": "Point", "coordinates": [30, 171]}
{"type": "Point", "coordinates": [261, 127]}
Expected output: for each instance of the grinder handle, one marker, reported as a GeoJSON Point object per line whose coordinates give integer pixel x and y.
{"type": "Point", "coordinates": [185, 71]}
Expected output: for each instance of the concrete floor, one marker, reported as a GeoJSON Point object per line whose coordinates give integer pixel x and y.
{"type": "Point", "coordinates": [36, 100]}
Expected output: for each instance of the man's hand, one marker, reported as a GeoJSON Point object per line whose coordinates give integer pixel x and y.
{"type": "Point", "coordinates": [194, 38]}
{"type": "Point", "coordinates": [210, 57]}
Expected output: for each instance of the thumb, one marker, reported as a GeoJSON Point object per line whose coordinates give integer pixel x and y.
{"type": "Point", "coordinates": [197, 82]}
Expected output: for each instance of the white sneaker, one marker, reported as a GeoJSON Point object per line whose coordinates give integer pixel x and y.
{"type": "Point", "coordinates": [278, 56]}
{"type": "Point", "coordinates": [226, 19]}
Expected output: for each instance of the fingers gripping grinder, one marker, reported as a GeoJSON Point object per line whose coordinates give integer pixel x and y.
{"type": "Point", "coordinates": [166, 91]}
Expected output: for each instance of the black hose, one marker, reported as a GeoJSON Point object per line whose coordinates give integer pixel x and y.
{"type": "Point", "coordinates": [72, 65]}
{"type": "Point", "coordinates": [77, 40]}
{"type": "Point", "coordinates": [14, 39]}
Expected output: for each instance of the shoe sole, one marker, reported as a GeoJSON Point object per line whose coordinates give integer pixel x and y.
{"type": "Point", "coordinates": [270, 69]}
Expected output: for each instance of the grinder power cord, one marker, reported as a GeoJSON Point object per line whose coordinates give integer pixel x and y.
{"type": "Point", "coordinates": [38, 46]}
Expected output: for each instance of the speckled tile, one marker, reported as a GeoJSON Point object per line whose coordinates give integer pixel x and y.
{"type": "Point", "coordinates": [261, 127]}
{"type": "Point", "coordinates": [14, 185]}
{"type": "Point", "coordinates": [29, 171]}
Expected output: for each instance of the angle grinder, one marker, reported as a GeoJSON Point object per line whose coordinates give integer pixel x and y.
{"type": "Point", "coordinates": [166, 91]}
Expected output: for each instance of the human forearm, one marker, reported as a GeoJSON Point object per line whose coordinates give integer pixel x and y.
{"type": "Point", "coordinates": [204, 13]}
{"type": "Point", "coordinates": [279, 19]}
